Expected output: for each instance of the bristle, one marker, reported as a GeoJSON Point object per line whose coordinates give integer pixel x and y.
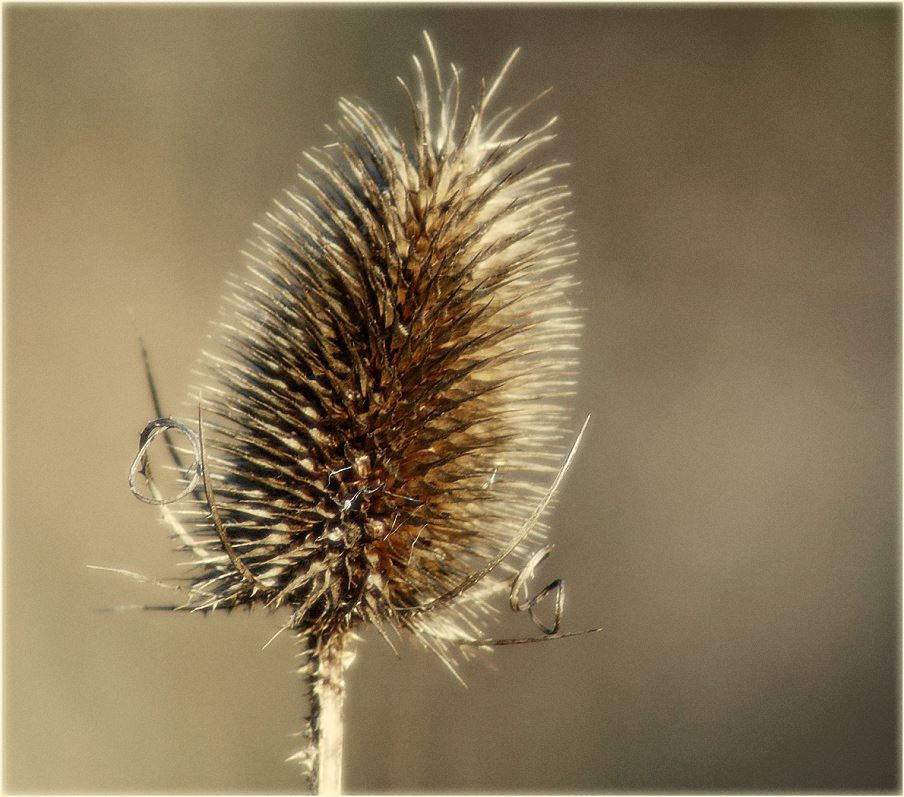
{"type": "Point", "coordinates": [383, 392]}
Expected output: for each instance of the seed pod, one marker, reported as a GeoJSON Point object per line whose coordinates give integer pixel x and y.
{"type": "Point", "coordinates": [383, 393]}
{"type": "Point", "coordinates": [382, 396]}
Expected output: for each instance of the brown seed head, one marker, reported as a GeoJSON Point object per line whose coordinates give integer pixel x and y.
{"type": "Point", "coordinates": [383, 396]}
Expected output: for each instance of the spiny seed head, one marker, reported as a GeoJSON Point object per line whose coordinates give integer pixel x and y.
{"type": "Point", "coordinates": [383, 394]}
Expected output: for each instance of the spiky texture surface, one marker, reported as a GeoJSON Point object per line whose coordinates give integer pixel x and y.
{"type": "Point", "coordinates": [383, 393]}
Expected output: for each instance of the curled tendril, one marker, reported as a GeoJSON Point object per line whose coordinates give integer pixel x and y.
{"type": "Point", "coordinates": [529, 603]}
{"type": "Point", "coordinates": [519, 583]}
{"type": "Point", "coordinates": [155, 428]}
{"type": "Point", "coordinates": [198, 471]}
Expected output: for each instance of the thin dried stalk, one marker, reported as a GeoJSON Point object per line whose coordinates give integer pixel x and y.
{"type": "Point", "coordinates": [324, 674]}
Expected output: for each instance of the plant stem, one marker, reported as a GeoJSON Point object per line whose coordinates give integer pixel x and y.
{"type": "Point", "coordinates": [328, 660]}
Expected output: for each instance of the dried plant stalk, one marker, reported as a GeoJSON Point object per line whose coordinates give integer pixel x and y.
{"type": "Point", "coordinates": [381, 404]}
{"type": "Point", "coordinates": [327, 660]}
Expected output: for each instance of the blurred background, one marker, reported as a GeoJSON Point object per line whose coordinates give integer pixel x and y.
{"type": "Point", "coordinates": [732, 519]}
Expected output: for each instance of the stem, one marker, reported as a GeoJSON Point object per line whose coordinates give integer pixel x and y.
{"type": "Point", "coordinates": [328, 661]}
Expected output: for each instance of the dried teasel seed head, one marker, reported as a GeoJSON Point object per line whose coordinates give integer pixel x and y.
{"type": "Point", "coordinates": [383, 394]}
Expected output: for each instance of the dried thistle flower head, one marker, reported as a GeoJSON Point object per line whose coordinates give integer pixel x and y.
{"type": "Point", "coordinates": [382, 401]}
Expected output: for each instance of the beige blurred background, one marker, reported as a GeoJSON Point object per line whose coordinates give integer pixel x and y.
{"type": "Point", "coordinates": [732, 520]}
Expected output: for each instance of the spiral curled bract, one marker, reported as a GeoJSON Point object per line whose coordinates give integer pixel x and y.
{"type": "Point", "coordinates": [383, 396]}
